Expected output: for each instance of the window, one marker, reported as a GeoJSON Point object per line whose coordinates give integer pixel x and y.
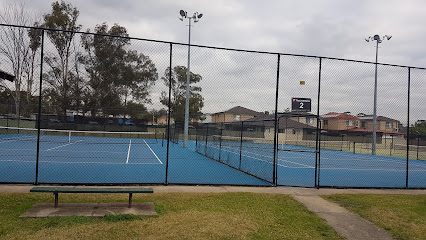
{"type": "Point", "coordinates": [363, 124]}
{"type": "Point", "coordinates": [389, 125]}
{"type": "Point", "coordinates": [349, 123]}
{"type": "Point", "coordinates": [296, 131]}
{"type": "Point", "coordinates": [309, 120]}
{"type": "Point", "coordinates": [325, 122]}
{"type": "Point", "coordinates": [237, 117]}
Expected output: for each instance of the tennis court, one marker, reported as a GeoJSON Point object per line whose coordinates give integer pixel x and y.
{"type": "Point", "coordinates": [78, 157]}
{"type": "Point", "coordinates": [303, 165]}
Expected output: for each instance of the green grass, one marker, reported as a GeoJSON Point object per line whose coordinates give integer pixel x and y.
{"type": "Point", "coordinates": [404, 216]}
{"type": "Point", "coordinates": [180, 216]}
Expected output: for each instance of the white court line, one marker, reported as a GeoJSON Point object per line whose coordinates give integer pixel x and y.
{"type": "Point", "coordinates": [19, 139]}
{"type": "Point", "coordinates": [153, 152]}
{"type": "Point", "coordinates": [128, 151]}
{"type": "Point", "coordinates": [61, 146]}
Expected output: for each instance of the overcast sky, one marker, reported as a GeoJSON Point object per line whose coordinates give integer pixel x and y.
{"type": "Point", "coordinates": [330, 28]}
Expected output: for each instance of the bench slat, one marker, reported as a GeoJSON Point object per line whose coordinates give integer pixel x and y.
{"type": "Point", "coordinates": [91, 190]}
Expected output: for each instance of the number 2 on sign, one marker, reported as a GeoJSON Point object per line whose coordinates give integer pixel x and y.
{"type": "Point", "coordinates": [301, 105]}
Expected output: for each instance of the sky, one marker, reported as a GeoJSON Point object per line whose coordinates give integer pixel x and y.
{"type": "Point", "coordinates": [329, 28]}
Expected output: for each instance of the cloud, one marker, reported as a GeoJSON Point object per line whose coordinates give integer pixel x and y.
{"type": "Point", "coordinates": [330, 28]}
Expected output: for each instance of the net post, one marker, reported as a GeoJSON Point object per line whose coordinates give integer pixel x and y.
{"type": "Point", "coordinates": [162, 140]}
{"type": "Point", "coordinates": [241, 143]}
{"type": "Point", "coordinates": [196, 138]}
{"type": "Point", "coordinates": [207, 137]}
{"type": "Point", "coordinates": [220, 141]}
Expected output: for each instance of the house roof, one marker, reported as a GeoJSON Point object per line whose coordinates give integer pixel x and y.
{"type": "Point", "coordinates": [339, 116]}
{"type": "Point", "coordinates": [241, 110]}
{"type": "Point", "coordinates": [6, 76]}
{"type": "Point", "coordinates": [379, 118]}
{"type": "Point", "coordinates": [268, 121]}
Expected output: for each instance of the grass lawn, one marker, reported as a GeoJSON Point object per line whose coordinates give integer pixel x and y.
{"type": "Point", "coordinates": [180, 216]}
{"type": "Point", "coordinates": [404, 216]}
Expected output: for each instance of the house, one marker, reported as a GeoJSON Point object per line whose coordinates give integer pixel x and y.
{"type": "Point", "coordinates": [334, 121]}
{"type": "Point", "coordinates": [305, 118]}
{"type": "Point", "coordinates": [207, 118]}
{"type": "Point", "coordinates": [163, 120]}
{"type": "Point", "coordinates": [235, 114]}
{"type": "Point", "coordinates": [383, 124]}
{"type": "Point", "coordinates": [264, 127]}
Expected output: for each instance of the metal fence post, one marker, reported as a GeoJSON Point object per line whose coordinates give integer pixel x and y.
{"type": "Point", "coordinates": [276, 126]}
{"type": "Point", "coordinates": [39, 107]}
{"type": "Point", "coordinates": [169, 113]}
{"type": "Point", "coordinates": [318, 137]}
{"type": "Point", "coordinates": [408, 127]}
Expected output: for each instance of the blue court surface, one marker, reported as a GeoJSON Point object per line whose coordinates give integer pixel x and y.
{"type": "Point", "coordinates": [296, 166]}
{"type": "Point", "coordinates": [107, 160]}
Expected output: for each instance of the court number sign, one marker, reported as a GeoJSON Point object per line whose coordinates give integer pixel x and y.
{"type": "Point", "coordinates": [300, 104]}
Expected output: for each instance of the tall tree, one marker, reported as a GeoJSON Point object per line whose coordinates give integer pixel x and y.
{"type": "Point", "coordinates": [178, 94]}
{"type": "Point", "coordinates": [63, 16]}
{"type": "Point", "coordinates": [17, 52]}
{"type": "Point", "coordinates": [116, 75]}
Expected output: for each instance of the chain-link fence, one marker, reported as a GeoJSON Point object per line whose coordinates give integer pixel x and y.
{"type": "Point", "coordinates": [86, 108]}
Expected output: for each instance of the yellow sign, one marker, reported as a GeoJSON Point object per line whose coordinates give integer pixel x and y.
{"type": "Point", "coordinates": [302, 82]}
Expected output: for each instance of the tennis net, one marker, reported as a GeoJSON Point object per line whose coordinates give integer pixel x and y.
{"type": "Point", "coordinates": [283, 145]}
{"type": "Point", "coordinates": [71, 136]}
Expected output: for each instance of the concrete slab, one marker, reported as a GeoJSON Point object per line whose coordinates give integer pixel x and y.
{"type": "Point", "coordinates": [88, 209]}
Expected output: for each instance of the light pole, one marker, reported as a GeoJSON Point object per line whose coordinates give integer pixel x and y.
{"type": "Point", "coordinates": [378, 40]}
{"type": "Point", "coordinates": [195, 17]}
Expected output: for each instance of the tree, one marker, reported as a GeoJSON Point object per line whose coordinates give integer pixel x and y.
{"type": "Point", "coordinates": [116, 75]}
{"type": "Point", "coordinates": [62, 17]}
{"type": "Point", "coordinates": [178, 94]}
{"type": "Point", "coordinates": [18, 50]}
{"type": "Point", "coordinates": [419, 128]}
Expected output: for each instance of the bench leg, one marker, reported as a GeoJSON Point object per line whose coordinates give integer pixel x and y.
{"type": "Point", "coordinates": [56, 199]}
{"type": "Point", "coordinates": [130, 200]}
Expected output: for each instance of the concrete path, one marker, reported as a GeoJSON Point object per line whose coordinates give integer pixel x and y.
{"type": "Point", "coordinates": [347, 224]}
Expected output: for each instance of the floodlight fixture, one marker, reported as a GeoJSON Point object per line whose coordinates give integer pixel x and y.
{"type": "Point", "coordinates": [378, 40]}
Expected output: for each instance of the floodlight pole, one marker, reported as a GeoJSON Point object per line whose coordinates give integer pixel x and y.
{"type": "Point", "coordinates": [186, 128]}
{"type": "Point", "coordinates": [195, 17]}
{"type": "Point", "coordinates": [373, 146]}
{"type": "Point", "coordinates": [378, 40]}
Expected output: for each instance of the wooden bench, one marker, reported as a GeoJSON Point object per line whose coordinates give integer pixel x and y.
{"type": "Point", "coordinates": [57, 190]}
